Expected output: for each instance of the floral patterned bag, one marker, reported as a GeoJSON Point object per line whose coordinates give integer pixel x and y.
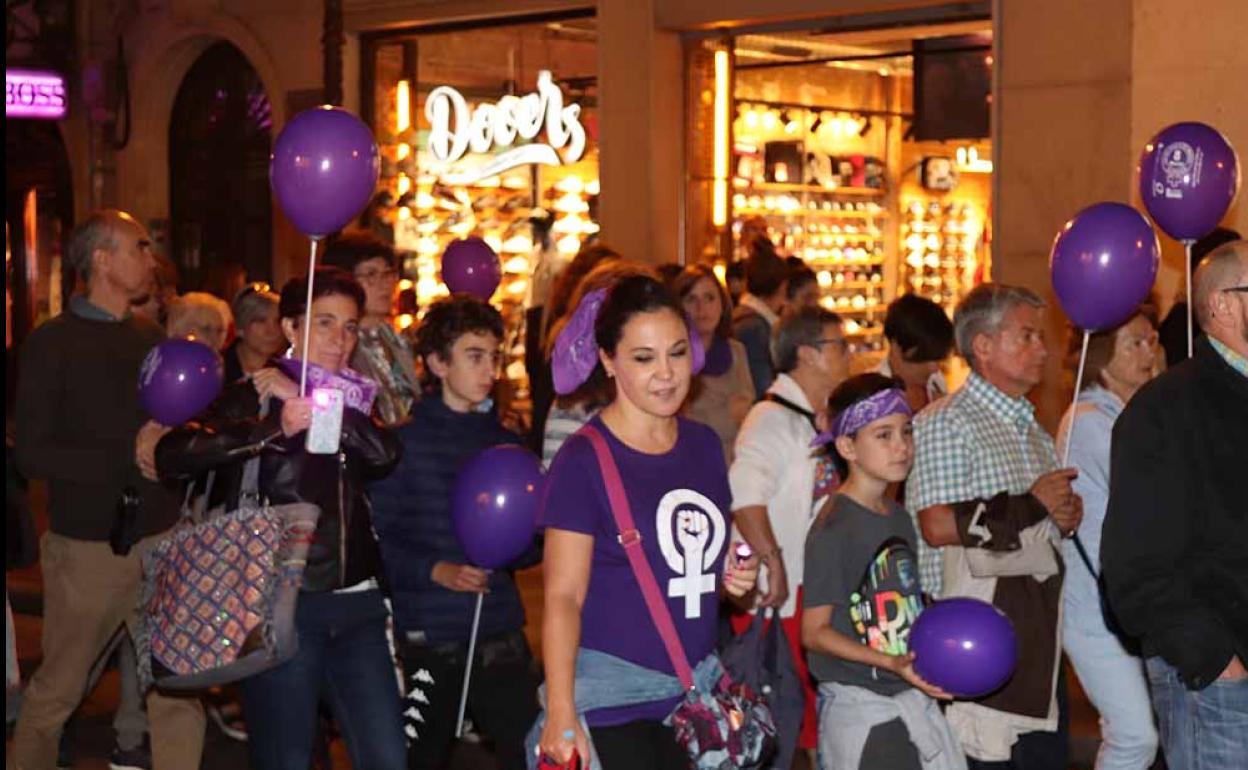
{"type": "Point", "coordinates": [727, 728]}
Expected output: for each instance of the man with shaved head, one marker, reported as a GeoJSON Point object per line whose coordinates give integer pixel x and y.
{"type": "Point", "coordinates": [1175, 547]}
{"type": "Point", "coordinates": [80, 428]}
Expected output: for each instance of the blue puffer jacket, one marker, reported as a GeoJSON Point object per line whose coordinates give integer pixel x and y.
{"type": "Point", "coordinates": [412, 516]}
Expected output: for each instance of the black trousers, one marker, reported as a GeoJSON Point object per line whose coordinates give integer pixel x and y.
{"type": "Point", "coordinates": [639, 745]}
{"type": "Point", "coordinates": [1039, 750]}
{"type": "Point", "coordinates": [502, 698]}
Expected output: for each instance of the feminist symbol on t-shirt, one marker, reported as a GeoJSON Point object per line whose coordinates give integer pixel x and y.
{"type": "Point", "coordinates": [691, 533]}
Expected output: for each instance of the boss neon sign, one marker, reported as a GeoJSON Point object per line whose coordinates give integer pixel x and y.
{"type": "Point", "coordinates": [31, 94]}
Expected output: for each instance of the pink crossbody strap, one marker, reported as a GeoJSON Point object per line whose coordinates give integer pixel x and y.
{"type": "Point", "coordinates": [630, 539]}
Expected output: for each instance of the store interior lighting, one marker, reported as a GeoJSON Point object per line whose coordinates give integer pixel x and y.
{"type": "Point", "coordinates": [721, 106]}
{"type": "Point", "coordinates": [402, 107]}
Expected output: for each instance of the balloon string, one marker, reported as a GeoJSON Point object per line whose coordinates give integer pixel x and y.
{"type": "Point", "coordinates": [472, 649]}
{"type": "Point", "coordinates": [307, 324]}
{"type": "Point", "coordinates": [1074, 403]}
{"type": "Point", "coordinates": [1187, 248]}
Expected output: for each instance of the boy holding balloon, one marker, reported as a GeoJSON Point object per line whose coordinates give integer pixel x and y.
{"type": "Point", "coordinates": [862, 595]}
{"type": "Point", "coordinates": [435, 587]}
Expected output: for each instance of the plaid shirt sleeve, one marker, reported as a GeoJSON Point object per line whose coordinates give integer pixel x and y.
{"type": "Point", "coordinates": [942, 467]}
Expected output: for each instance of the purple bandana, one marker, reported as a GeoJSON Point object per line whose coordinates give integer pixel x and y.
{"type": "Point", "coordinates": [358, 391]}
{"type": "Point", "coordinates": [863, 413]}
{"type": "Point", "coordinates": [576, 352]}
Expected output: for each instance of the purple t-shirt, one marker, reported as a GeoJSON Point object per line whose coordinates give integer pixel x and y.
{"type": "Point", "coordinates": [680, 504]}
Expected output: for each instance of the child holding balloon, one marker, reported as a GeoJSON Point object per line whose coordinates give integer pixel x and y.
{"type": "Point", "coordinates": [434, 585]}
{"type": "Point", "coordinates": [862, 595]}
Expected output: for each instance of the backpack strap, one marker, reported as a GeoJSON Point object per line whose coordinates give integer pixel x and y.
{"type": "Point", "coordinates": [630, 539]}
{"type": "Point", "coordinates": [792, 407]}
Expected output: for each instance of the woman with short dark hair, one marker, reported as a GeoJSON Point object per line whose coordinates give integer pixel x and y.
{"type": "Point", "coordinates": [340, 619]}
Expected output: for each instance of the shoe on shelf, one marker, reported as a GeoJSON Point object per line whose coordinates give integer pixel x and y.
{"type": "Point", "coordinates": [130, 759]}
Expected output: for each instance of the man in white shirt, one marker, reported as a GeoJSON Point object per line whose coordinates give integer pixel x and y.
{"type": "Point", "coordinates": [778, 481]}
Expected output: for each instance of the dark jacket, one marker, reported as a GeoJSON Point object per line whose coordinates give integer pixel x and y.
{"type": "Point", "coordinates": [754, 332]}
{"type": "Point", "coordinates": [412, 513]}
{"type": "Point", "coordinates": [78, 414]}
{"type": "Point", "coordinates": [1175, 544]}
{"type": "Point", "coordinates": [232, 431]}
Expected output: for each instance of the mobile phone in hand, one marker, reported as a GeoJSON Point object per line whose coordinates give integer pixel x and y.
{"type": "Point", "coordinates": [325, 430]}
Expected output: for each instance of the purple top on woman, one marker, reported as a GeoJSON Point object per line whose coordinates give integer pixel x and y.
{"type": "Point", "coordinates": [680, 504]}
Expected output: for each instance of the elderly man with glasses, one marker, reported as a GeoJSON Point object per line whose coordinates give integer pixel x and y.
{"type": "Point", "coordinates": [1175, 544]}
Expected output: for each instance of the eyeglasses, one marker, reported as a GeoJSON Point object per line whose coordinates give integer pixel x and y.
{"type": "Point", "coordinates": [838, 341]}
{"type": "Point", "coordinates": [1238, 289]}
{"type": "Point", "coordinates": [374, 276]}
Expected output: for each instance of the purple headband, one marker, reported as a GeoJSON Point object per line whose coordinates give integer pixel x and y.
{"type": "Point", "coordinates": [863, 413]}
{"type": "Point", "coordinates": [576, 352]}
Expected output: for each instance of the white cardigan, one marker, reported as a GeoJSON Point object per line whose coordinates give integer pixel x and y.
{"type": "Point", "coordinates": [774, 466]}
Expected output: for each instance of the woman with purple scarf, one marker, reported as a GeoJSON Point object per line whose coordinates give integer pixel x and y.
{"type": "Point", "coordinates": [611, 679]}
{"type": "Point", "coordinates": [723, 392]}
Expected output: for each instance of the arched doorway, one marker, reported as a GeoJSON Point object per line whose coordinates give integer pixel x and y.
{"type": "Point", "coordinates": [219, 139]}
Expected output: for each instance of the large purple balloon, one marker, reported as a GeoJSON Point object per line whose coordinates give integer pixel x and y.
{"type": "Point", "coordinates": [324, 169]}
{"type": "Point", "coordinates": [1188, 177]}
{"type": "Point", "coordinates": [965, 646]}
{"type": "Point", "coordinates": [1103, 265]}
{"type": "Point", "coordinates": [471, 266]}
{"type": "Point", "coordinates": [178, 380]}
{"type": "Point", "coordinates": [494, 505]}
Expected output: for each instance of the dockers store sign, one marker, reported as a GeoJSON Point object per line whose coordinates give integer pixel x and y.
{"type": "Point", "coordinates": [34, 94]}
{"type": "Point", "coordinates": [509, 127]}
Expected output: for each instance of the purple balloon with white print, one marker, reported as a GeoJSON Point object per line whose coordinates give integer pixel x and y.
{"type": "Point", "coordinates": [967, 647]}
{"type": "Point", "coordinates": [1189, 175]}
{"type": "Point", "coordinates": [494, 505]}
{"type": "Point", "coordinates": [179, 378]}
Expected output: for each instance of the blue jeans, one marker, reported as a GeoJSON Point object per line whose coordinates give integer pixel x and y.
{"type": "Point", "coordinates": [1114, 681]}
{"type": "Point", "coordinates": [1200, 729]}
{"type": "Point", "coordinates": [343, 658]}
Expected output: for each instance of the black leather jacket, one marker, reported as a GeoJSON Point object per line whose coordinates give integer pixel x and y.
{"type": "Point", "coordinates": [231, 432]}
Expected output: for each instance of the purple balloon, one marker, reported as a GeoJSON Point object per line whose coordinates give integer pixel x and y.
{"type": "Point", "coordinates": [966, 647]}
{"type": "Point", "coordinates": [179, 379]}
{"type": "Point", "coordinates": [1189, 175]}
{"type": "Point", "coordinates": [471, 266]}
{"type": "Point", "coordinates": [324, 169]}
{"type": "Point", "coordinates": [1103, 265]}
{"type": "Point", "coordinates": [494, 505]}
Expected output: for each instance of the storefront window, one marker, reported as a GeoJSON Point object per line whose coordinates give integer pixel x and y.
{"type": "Point", "coordinates": [489, 132]}
{"type": "Point", "coordinates": [866, 155]}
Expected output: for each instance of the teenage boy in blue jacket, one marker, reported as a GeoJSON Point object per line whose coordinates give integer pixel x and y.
{"type": "Point", "coordinates": [434, 588]}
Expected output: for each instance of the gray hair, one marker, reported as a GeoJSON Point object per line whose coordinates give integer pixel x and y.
{"type": "Point", "coordinates": [981, 311]}
{"type": "Point", "coordinates": [96, 232]}
{"type": "Point", "coordinates": [1220, 270]}
{"type": "Point", "coordinates": [803, 328]}
{"type": "Point", "coordinates": [194, 309]}
{"type": "Point", "coordinates": [253, 304]}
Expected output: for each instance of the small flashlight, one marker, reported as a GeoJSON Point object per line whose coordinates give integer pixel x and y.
{"type": "Point", "coordinates": [743, 551]}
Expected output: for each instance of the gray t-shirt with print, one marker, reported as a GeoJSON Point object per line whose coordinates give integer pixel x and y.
{"type": "Point", "coordinates": [863, 564]}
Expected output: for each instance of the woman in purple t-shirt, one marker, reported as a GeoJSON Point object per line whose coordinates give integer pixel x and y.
{"type": "Point", "coordinates": [676, 483]}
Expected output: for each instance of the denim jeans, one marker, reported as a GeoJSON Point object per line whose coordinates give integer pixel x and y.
{"type": "Point", "coordinates": [344, 659]}
{"type": "Point", "coordinates": [1200, 729]}
{"type": "Point", "coordinates": [1114, 681]}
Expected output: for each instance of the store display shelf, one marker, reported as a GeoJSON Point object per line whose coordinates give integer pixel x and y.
{"type": "Point", "coordinates": [812, 188]}
{"type": "Point", "coordinates": [844, 262]}
{"type": "Point", "coordinates": [873, 308]}
{"type": "Point", "coordinates": [853, 285]}
{"type": "Point", "coordinates": [815, 213]}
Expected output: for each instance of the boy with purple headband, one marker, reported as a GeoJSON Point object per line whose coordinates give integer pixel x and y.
{"type": "Point", "coordinates": [862, 595]}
